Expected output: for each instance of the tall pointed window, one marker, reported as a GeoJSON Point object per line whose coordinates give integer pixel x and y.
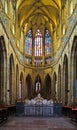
{"type": "Point", "coordinates": [38, 47]}
{"type": "Point", "coordinates": [28, 47]}
{"type": "Point", "coordinates": [28, 43]}
{"type": "Point", "coordinates": [35, 51]}
{"type": "Point", "coordinates": [38, 43]}
{"type": "Point", "coordinates": [48, 43]}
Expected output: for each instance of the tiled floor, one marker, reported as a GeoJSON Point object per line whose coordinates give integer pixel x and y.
{"type": "Point", "coordinates": [38, 123]}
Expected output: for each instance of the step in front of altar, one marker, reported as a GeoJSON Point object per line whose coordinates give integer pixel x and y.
{"type": "Point", "coordinates": [39, 110]}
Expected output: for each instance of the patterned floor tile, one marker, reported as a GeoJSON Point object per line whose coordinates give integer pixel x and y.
{"type": "Point", "coordinates": [32, 123]}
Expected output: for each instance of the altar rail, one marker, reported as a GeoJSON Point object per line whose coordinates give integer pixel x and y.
{"type": "Point", "coordinates": [39, 110]}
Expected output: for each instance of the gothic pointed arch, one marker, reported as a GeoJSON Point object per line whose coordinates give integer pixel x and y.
{"type": "Point", "coordinates": [28, 47]}
{"type": "Point", "coordinates": [65, 79]}
{"type": "Point", "coordinates": [21, 86]}
{"type": "Point", "coordinates": [3, 67]}
{"type": "Point", "coordinates": [38, 47]}
{"type": "Point", "coordinates": [73, 59]}
{"type": "Point", "coordinates": [12, 92]}
{"type": "Point", "coordinates": [17, 80]}
{"type": "Point", "coordinates": [59, 82]}
{"type": "Point", "coordinates": [48, 46]}
{"type": "Point", "coordinates": [55, 86]}
{"type": "Point", "coordinates": [47, 86]}
{"type": "Point", "coordinates": [29, 86]}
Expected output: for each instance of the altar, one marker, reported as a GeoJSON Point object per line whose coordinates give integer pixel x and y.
{"type": "Point", "coordinates": [39, 107]}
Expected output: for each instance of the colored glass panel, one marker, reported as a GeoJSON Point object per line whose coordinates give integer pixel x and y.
{"type": "Point", "coordinates": [48, 60]}
{"type": "Point", "coordinates": [48, 43]}
{"type": "Point", "coordinates": [28, 43]}
{"type": "Point", "coordinates": [28, 60]}
{"type": "Point", "coordinates": [38, 61]}
{"type": "Point", "coordinates": [38, 43]}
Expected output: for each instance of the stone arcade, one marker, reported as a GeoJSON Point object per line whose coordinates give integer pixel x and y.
{"type": "Point", "coordinates": [38, 54]}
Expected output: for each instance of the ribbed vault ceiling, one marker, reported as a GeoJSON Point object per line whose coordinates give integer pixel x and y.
{"type": "Point", "coordinates": [38, 14]}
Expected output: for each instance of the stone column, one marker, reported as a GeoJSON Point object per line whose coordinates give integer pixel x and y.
{"type": "Point", "coordinates": [13, 87]}
{"type": "Point", "coordinates": [20, 87]}
{"type": "Point", "coordinates": [69, 78]}
{"type": "Point", "coordinates": [4, 95]}
{"type": "Point", "coordinates": [7, 80]}
{"type": "Point", "coordinates": [62, 86]}
{"type": "Point", "coordinates": [59, 83]}
{"type": "Point", "coordinates": [72, 77]}
{"type": "Point", "coordinates": [2, 86]}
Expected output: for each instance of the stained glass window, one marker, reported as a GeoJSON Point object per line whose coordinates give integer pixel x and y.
{"type": "Point", "coordinates": [38, 48]}
{"type": "Point", "coordinates": [28, 43]}
{"type": "Point", "coordinates": [48, 60]}
{"type": "Point", "coordinates": [38, 61]}
{"type": "Point", "coordinates": [28, 60]}
{"type": "Point", "coordinates": [48, 43]}
{"type": "Point", "coordinates": [38, 43]}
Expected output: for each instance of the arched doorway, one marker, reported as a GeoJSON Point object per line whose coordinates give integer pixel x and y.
{"type": "Point", "coordinates": [59, 83]}
{"type": "Point", "coordinates": [11, 80]}
{"type": "Point", "coordinates": [17, 81]}
{"type": "Point", "coordinates": [28, 87]}
{"type": "Point", "coordinates": [3, 73]}
{"type": "Point", "coordinates": [21, 84]}
{"type": "Point", "coordinates": [74, 71]}
{"type": "Point", "coordinates": [48, 87]}
{"type": "Point", "coordinates": [65, 79]}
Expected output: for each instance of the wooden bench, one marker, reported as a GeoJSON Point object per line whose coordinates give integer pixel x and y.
{"type": "Point", "coordinates": [11, 108]}
{"type": "Point", "coordinates": [3, 115]}
{"type": "Point", "coordinates": [6, 111]}
{"type": "Point", "coordinates": [74, 114]}
{"type": "Point", "coordinates": [67, 110]}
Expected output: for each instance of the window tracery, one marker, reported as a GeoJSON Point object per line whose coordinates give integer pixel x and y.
{"type": "Point", "coordinates": [35, 47]}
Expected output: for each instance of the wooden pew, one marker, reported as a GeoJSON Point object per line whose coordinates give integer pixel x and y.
{"type": "Point", "coordinates": [66, 110]}
{"type": "Point", "coordinates": [11, 109]}
{"type": "Point", "coordinates": [6, 111]}
{"type": "Point", "coordinates": [74, 114]}
{"type": "Point", "coordinates": [3, 115]}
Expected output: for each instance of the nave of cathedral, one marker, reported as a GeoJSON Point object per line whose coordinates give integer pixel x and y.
{"type": "Point", "coordinates": [38, 54]}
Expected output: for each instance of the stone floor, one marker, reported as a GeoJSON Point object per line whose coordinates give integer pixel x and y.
{"type": "Point", "coordinates": [39, 123]}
